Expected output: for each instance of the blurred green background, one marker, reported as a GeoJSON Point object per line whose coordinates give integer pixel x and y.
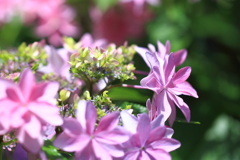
{"type": "Point", "coordinates": [210, 31]}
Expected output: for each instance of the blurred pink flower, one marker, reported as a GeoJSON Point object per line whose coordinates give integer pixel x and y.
{"type": "Point", "coordinates": [57, 23]}
{"type": "Point", "coordinates": [119, 24]}
{"type": "Point", "coordinates": [163, 50]}
{"type": "Point", "coordinates": [139, 4]}
{"type": "Point", "coordinates": [167, 85]}
{"type": "Point", "coordinates": [27, 107]}
{"type": "Point", "coordinates": [81, 137]}
{"type": "Point", "coordinates": [149, 140]}
{"type": "Point", "coordinates": [88, 41]}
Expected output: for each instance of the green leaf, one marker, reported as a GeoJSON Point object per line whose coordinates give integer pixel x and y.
{"type": "Point", "coordinates": [53, 153]}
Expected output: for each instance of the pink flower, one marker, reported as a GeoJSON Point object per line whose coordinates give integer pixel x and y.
{"type": "Point", "coordinates": [57, 62]}
{"type": "Point", "coordinates": [88, 41]}
{"type": "Point", "coordinates": [119, 24]}
{"type": "Point", "coordinates": [27, 107]}
{"type": "Point", "coordinates": [139, 4]}
{"type": "Point", "coordinates": [167, 85]}
{"type": "Point", "coordinates": [57, 23]}
{"type": "Point", "coordinates": [163, 50]}
{"type": "Point", "coordinates": [149, 140]}
{"type": "Point", "coordinates": [81, 137]}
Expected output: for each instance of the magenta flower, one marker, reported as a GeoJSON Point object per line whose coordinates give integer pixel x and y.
{"type": "Point", "coordinates": [81, 137]}
{"type": "Point", "coordinates": [163, 50]}
{"type": "Point", "coordinates": [149, 140]}
{"type": "Point", "coordinates": [167, 85]}
{"type": "Point", "coordinates": [27, 107]}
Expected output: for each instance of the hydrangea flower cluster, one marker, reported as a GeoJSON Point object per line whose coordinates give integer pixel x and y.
{"type": "Point", "coordinates": [54, 103]}
{"type": "Point", "coordinates": [53, 18]}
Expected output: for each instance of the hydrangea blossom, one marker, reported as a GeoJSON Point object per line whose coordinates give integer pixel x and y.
{"type": "Point", "coordinates": [161, 52]}
{"type": "Point", "coordinates": [81, 137]}
{"type": "Point", "coordinates": [149, 140]}
{"type": "Point", "coordinates": [26, 108]}
{"type": "Point", "coordinates": [167, 85]}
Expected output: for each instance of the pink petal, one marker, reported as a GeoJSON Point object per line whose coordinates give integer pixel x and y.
{"type": "Point", "coordinates": [4, 84]}
{"type": "Point", "coordinates": [166, 144]}
{"type": "Point", "coordinates": [182, 75]}
{"type": "Point", "coordinates": [87, 115]}
{"type": "Point", "coordinates": [181, 105]}
{"type": "Point", "coordinates": [158, 121]}
{"type": "Point", "coordinates": [129, 122]}
{"type": "Point", "coordinates": [38, 91]}
{"type": "Point", "coordinates": [142, 52]}
{"type": "Point", "coordinates": [32, 126]}
{"type": "Point", "coordinates": [161, 50]}
{"type": "Point", "coordinates": [27, 82]}
{"type": "Point", "coordinates": [71, 144]}
{"type": "Point", "coordinates": [108, 122]}
{"type": "Point", "coordinates": [151, 83]}
{"type": "Point", "coordinates": [14, 95]}
{"type": "Point", "coordinates": [158, 154]}
{"type": "Point", "coordinates": [72, 126]}
{"type": "Point", "coordinates": [46, 112]}
{"type": "Point", "coordinates": [143, 156]}
{"type": "Point", "coordinates": [172, 116]}
{"type": "Point", "coordinates": [163, 105]}
{"type": "Point", "coordinates": [100, 152]}
{"type": "Point", "coordinates": [156, 134]}
{"type": "Point", "coordinates": [180, 56]}
{"type": "Point", "coordinates": [169, 68]}
{"type": "Point", "coordinates": [133, 155]}
{"type": "Point", "coordinates": [169, 132]}
{"type": "Point", "coordinates": [17, 116]}
{"type": "Point", "coordinates": [50, 91]}
{"type": "Point", "coordinates": [168, 46]}
{"type": "Point", "coordinates": [114, 151]}
{"type": "Point", "coordinates": [143, 128]}
{"type": "Point", "coordinates": [33, 145]}
{"type": "Point", "coordinates": [116, 136]}
{"type": "Point", "coordinates": [184, 88]}
{"type": "Point", "coordinates": [152, 59]}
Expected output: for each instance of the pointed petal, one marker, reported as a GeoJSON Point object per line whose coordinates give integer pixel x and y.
{"type": "Point", "coordinates": [14, 95]}
{"type": "Point", "coordinates": [46, 112]}
{"type": "Point", "coordinates": [180, 56]}
{"type": "Point", "coordinates": [158, 121]}
{"type": "Point", "coordinates": [129, 122]}
{"type": "Point", "coordinates": [172, 116]}
{"type": "Point", "coordinates": [169, 68]}
{"type": "Point", "coordinates": [169, 132]}
{"type": "Point", "coordinates": [32, 145]}
{"type": "Point", "coordinates": [27, 82]}
{"type": "Point", "coordinates": [142, 52]}
{"type": "Point", "coordinates": [4, 84]}
{"type": "Point", "coordinates": [163, 105]}
{"type": "Point", "coordinates": [108, 122]}
{"type": "Point", "coordinates": [71, 144]}
{"type": "Point", "coordinates": [100, 152]}
{"type": "Point", "coordinates": [133, 155]}
{"type": "Point", "coordinates": [152, 48]}
{"type": "Point", "coordinates": [161, 50]}
{"type": "Point", "coordinates": [151, 83]}
{"type": "Point", "coordinates": [168, 46]}
{"type": "Point", "coordinates": [143, 128]}
{"type": "Point", "coordinates": [182, 75]}
{"type": "Point", "coordinates": [87, 115]}
{"type": "Point", "coordinates": [72, 126]}
{"type": "Point", "coordinates": [152, 59]}
{"type": "Point", "coordinates": [156, 134]}
{"type": "Point", "coordinates": [50, 90]}
{"type": "Point", "coordinates": [159, 154]}
{"type": "Point", "coordinates": [116, 136]}
{"type": "Point", "coordinates": [184, 88]}
{"type": "Point", "coordinates": [166, 144]}
{"type": "Point", "coordinates": [143, 156]}
{"type": "Point", "coordinates": [181, 105]}
{"type": "Point", "coordinates": [114, 151]}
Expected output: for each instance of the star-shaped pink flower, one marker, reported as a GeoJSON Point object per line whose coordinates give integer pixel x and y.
{"type": "Point", "coordinates": [81, 137]}
{"type": "Point", "coordinates": [167, 85]}
{"type": "Point", "coordinates": [27, 107]}
{"type": "Point", "coordinates": [149, 140]}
